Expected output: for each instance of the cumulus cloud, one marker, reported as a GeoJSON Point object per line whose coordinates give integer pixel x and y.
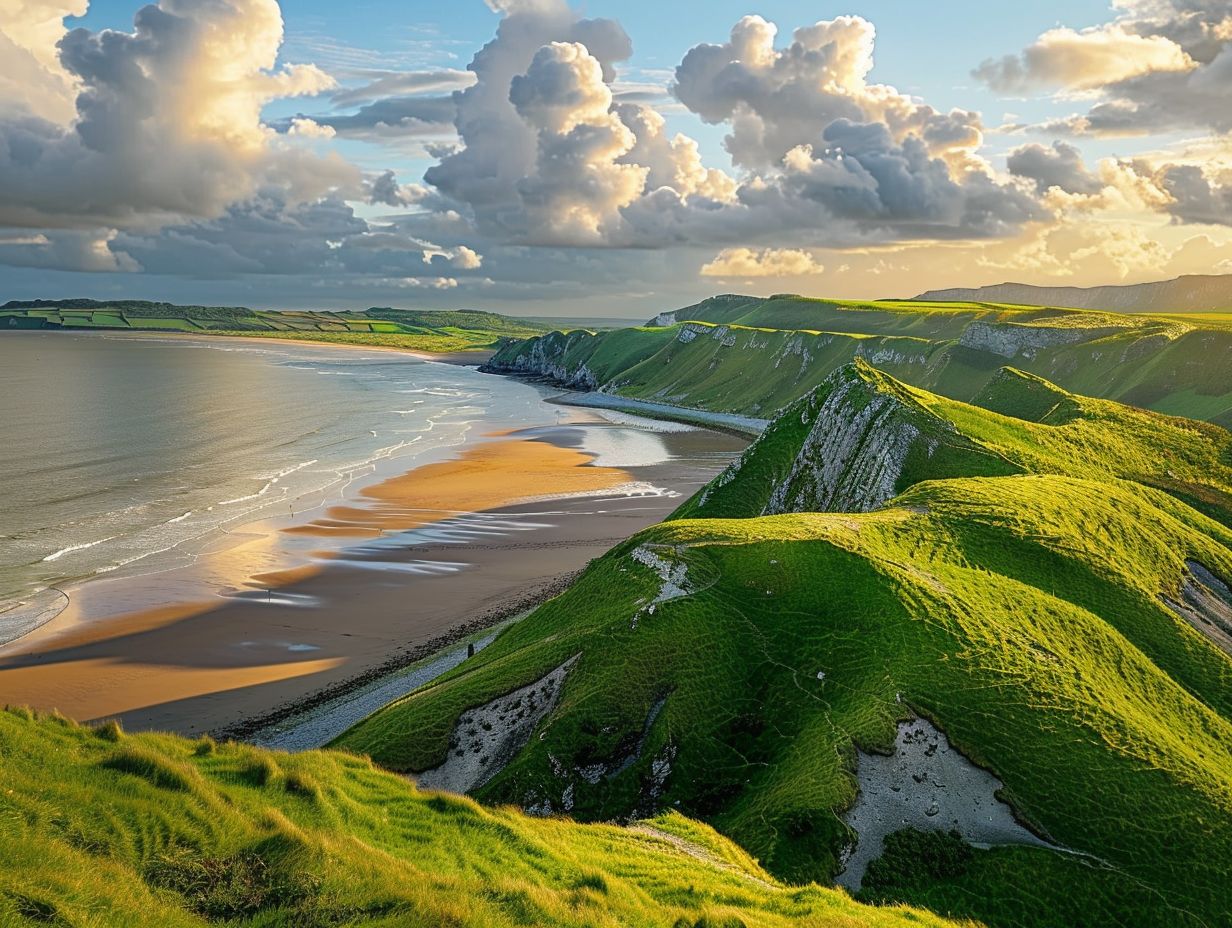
{"type": "Point", "coordinates": [578, 188]}
{"type": "Point", "coordinates": [1160, 65]}
{"type": "Point", "coordinates": [521, 149]}
{"type": "Point", "coordinates": [1197, 196]}
{"type": "Point", "coordinates": [384, 190]}
{"type": "Point", "coordinates": [32, 80]}
{"type": "Point", "coordinates": [768, 262]}
{"type": "Point", "coordinates": [775, 100]}
{"type": "Point", "coordinates": [68, 250]}
{"type": "Point", "coordinates": [1059, 166]}
{"type": "Point", "coordinates": [550, 156]}
{"type": "Point", "coordinates": [309, 129]}
{"type": "Point", "coordinates": [168, 121]}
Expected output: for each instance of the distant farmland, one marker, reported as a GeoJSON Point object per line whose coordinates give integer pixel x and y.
{"type": "Point", "coordinates": [447, 330]}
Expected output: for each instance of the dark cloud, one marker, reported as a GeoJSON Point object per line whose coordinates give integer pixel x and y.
{"type": "Point", "coordinates": [1197, 197]}
{"type": "Point", "coordinates": [1059, 166]}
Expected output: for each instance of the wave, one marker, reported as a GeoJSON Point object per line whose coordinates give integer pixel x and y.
{"type": "Point", "coordinates": [56, 555]}
{"type": "Point", "coordinates": [271, 482]}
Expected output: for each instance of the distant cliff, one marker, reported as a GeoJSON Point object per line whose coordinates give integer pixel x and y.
{"type": "Point", "coordinates": [1193, 294]}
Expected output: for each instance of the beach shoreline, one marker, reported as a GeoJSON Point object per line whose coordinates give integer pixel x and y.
{"type": "Point", "coordinates": [26, 620]}
{"type": "Point", "coordinates": [319, 708]}
{"type": "Point", "coordinates": [385, 598]}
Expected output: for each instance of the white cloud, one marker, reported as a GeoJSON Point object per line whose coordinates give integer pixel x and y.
{"type": "Point", "coordinates": [769, 262]}
{"type": "Point", "coordinates": [1084, 60]}
{"type": "Point", "coordinates": [777, 99]}
{"type": "Point", "coordinates": [303, 127]}
{"type": "Point", "coordinates": [548, 156]}
{"type": "Point", "coordinates": [169, 121]}
{"type": "Point", "coordinates": [31, 77]}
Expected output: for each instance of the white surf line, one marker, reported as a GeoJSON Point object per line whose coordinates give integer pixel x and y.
{"type": "Point", "coordinates": [56, 555]}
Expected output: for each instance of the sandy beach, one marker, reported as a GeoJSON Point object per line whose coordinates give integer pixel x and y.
{"type": "Point", "coordinates": [420, 558]}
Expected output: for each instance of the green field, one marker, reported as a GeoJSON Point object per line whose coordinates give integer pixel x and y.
{"type": "Point", "coordinates": [1015, 591]}
{"type": "Point", "coordinates": [438, 331]}
{"type": "Point", "coordinates": [98, 828]}
{"type": "Point", "coordinates": [701, 356]}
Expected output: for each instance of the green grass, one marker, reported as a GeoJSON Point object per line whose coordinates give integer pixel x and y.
{"type": "Point", "coordinates": [1023, 425]}
{"type": "Point", "coordinates": [99, 828]}
{"type": "Point", "coordinates": [437, 331]}
{"type": "Point", "coordinates": [1022, 615]}
{"type": "Point", "coordinates": [1175, 364]}
{"type": "Point", "coordinates": [1012, 593]}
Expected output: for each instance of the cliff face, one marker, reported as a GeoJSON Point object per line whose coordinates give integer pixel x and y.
{"type": "Point", "coordinates": [547, 356]}
{"type": "Point", "coordinates": [1192, 294]}
{"type": "Point", "coordinates": [1009, 340]}
{"type": "Point", "coordinates": [851, 445]}
{"type": "Point", "coordinates": [727, 366]}
{"type": "Point", "coordinates": [854, 454]}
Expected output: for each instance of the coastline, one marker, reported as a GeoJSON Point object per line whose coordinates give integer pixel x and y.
{"type": "Point", "coordinates": [28, 618]}
{"type": "Point", "coordinates": [387, 597]}
{"type": "Point", "coordinates": [319, 718]}
{"type": "Point", "coordinates": [470, 357]}
{"type": "Point", "coordinates": [744, 426]}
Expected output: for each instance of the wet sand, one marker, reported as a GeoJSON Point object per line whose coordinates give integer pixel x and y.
{"type": "Point", "coordinates": [428, 556]}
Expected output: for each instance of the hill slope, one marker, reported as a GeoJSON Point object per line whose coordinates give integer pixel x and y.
{"type": "Point", "coordinates": [1065, 635]}
{"type": "Point", "coordinates": [102, 829]}
{"type": "Point", "coordinates": [701, 356]}
{"type": "Point", "coordinates": [1196, 293]}
{"type": "Point", "coordinates": [862, 437]}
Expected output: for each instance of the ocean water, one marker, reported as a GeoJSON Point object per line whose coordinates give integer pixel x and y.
{"type": "Point", "coordinates": [121, 455]}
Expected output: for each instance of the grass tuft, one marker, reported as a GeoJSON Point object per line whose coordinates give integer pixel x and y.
{"type": "Point", "coordinates": [109, 731]}
{"type": "Point", "coordinates": [157, 769]}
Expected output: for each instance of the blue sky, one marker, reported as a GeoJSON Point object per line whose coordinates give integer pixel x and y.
{"type": "Point", "coordinates": [1032, 170]}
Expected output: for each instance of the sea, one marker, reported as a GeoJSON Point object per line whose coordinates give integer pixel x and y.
{"type": "Point", "coordinates": [126, 454]}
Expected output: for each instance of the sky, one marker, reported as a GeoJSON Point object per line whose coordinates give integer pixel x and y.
{"type": "Point", "coordinates": [606, 158]}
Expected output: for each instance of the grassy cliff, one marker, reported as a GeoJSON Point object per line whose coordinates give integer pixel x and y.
{"type": "Point", "coordinates": [818, 455]}
{"type": "Point", "coordinates": [102, 829]}
{"type": "Point", "coordinates": [701, 356]}
{"type": "Point", "coordinates": [1064, 623]}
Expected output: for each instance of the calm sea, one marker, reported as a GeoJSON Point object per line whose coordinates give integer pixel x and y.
{"type": "Point", "coordinates": [126, 454]}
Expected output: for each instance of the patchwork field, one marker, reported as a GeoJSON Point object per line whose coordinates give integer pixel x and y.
{"type": "Point", "coordinates": [442, 331]}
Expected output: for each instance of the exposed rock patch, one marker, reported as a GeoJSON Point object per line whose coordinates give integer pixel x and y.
{"type": "Point", "coordinates": [1011, 339]}
{"type": "Point", "coordinates": [926, 784]}
{"type": "Point", "coordinates": [853, 456]}
{"type": "Point", "coordinates": [1206, 604]}
{"type": "Point", "coordinates": [673, 574]}
{"type": "Point", "coordinates": [487, 737]}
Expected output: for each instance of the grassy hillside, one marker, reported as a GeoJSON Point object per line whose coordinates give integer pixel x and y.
{"type": "Point", "coordinates": [1065, 625]}
{"type": "Point", "coordinates": [102, 829]}
{"type": "Point", "coordinates": [701, 356]}
{"type": "Point", "coordinates": [1023, 425]}
{"type": "Point", "coordinates": [443, 330]}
